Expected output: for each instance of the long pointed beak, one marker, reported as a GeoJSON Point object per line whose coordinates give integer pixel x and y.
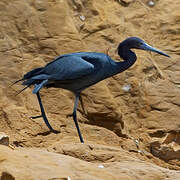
{"type": "Point", "coordinates": [147, 47]}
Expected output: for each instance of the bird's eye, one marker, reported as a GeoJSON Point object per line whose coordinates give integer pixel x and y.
{"type": "Point", "coordinates": [141, 43]}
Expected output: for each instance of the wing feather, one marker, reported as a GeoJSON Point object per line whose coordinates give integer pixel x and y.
{"type": "Point", "coordinates": [68, 67]}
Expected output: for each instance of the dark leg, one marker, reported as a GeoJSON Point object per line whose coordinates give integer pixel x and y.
{"type": "Point", "coordinates": [75, 118]}
{"type": "Point", "coordinates": [82, 105]}
{"type": "Point", "coordinates": [35, 117]}
{"type": "Point", "coordinates": [70, 115]}
{"type": "Point", "coordinates": [44, 115]}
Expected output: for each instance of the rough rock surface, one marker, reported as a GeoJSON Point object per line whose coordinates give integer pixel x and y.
{"type": "Point", "coordinates": [135, 114]}
{"type": "Point", "coordinates": [104, 163]}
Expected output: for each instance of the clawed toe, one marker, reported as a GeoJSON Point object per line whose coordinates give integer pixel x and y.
{"type": "Point", "coordinates": [55, 131]}
{"type": "Point", "coordinates": [35, 117]}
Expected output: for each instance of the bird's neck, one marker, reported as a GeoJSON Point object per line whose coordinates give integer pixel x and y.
{"type": "Point", "coordinates": [129, 58]}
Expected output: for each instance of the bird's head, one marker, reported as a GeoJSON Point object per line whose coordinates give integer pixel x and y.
{"type": "Point", "coordinates": [137, 43]}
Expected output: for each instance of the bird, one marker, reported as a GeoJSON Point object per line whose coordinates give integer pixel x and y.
{"type": "Point", "coordinates": [80, 70]}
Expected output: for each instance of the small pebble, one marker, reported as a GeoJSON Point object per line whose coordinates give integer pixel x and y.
{"type": "Point", "coordinates": [101, 166]}
{"type": "Point", "coordinates": [136, 141]}
{"type": "Point", "coordinates": [4, 139]}
{"type": "Point", "coordinates": [126, 87]}
{"type": "Point", "coordinates": [82, 18]}
{"type": "Point", "coordinates": [151, 3]}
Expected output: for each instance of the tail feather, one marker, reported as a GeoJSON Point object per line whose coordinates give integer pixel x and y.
{"type": "Point", "coordinates": [27, 79]}
{"type": "Point", "coordinates": [28, 75]}
{"type": "Point", "coordinates": [16, 82]}
{"type": "Point", "coordinates": [22, 90]}
{"type": "Point", "coordinates": [33, 73]}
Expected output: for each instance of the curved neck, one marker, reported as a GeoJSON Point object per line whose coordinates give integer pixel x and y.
{"type": "Point", "coordinates": [129, 58]}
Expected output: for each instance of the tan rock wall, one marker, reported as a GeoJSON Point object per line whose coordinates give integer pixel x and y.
{"type": "Point", "coordinates": [33, 32]}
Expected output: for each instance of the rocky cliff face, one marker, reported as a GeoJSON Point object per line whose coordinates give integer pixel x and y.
{"type": "Point", "coordinates": [133, 116]}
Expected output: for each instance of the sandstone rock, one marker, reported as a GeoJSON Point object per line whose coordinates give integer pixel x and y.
{"type": "Point", "coordinates": [125, 2]}
{"type": "Point", "coordinates": [4, 139]}
{"type": "Point", "coordinates": [139, 105]}
{"type": "Point", "coordinates": [6, 176]}
{"type": "Point", "coordinates": [167, 147]}
{"type": "Point", "coordinates": [32, 164]}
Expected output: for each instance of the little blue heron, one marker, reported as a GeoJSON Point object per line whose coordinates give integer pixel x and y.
{"type": "Point", "coordinates": [78, 71]}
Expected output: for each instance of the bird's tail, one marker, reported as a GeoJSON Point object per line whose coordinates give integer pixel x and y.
{"type": "Point", "coordinates": [27, 79]}
{"type": "Point", "coordinates": [22, 90]}
{"type": "Point", "coordinates": [16, 82]}
{"type": "Point", "coordinates": [32, 73]}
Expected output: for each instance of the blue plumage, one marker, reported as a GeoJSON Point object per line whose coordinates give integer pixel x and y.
{"type": "Point", "coordinates": [77, 71]}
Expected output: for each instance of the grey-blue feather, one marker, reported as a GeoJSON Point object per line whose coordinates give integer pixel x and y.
{"type": "Point", "coordinates": [78, 71]}
{"type": "Point", "coordinates": [74, 72]}
{"type": "Point", "coordinates": [68, 67]}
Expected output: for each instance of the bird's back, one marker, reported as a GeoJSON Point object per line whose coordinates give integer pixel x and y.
{"type": "Point", "coordinates": [74, 71]}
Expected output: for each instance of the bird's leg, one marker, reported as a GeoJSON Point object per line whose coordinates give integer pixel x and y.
{"type": "Point", "coordinates": [75, 117]}
{"type": "Point", "coordinates": [40, 102]}
{"type": "Point", "coordinates": [70, 115]}
{"type": "Point", "coordinates": [44, 115]}
{"type": "Point", "coordinates": [82, 104]}
{"type": "Point", "coordinates": [39, 99]}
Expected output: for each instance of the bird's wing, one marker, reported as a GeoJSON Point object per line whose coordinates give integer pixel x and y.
{"type": "Point", "coordinates": [67, 68]}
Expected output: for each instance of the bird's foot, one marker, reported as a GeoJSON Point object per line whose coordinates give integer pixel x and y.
{"type": "Point", "coordinates": [55, 131]}
{"type": "Point", "coordinates": [35, 117]}
{"type": "Point", "coordinates": [51, 129]}
{"type": "Point", "coordinates": [82, 112]}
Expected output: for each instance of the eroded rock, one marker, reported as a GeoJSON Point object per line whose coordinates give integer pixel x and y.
{"type": "Point", "coordinates": [119, 110]}
{"type": "Point", "coordinates": [4, 139]}
{"type": "Point", "coordinates": [167, 147]}
{"type": "Point", "coordinates": [42, 165]}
